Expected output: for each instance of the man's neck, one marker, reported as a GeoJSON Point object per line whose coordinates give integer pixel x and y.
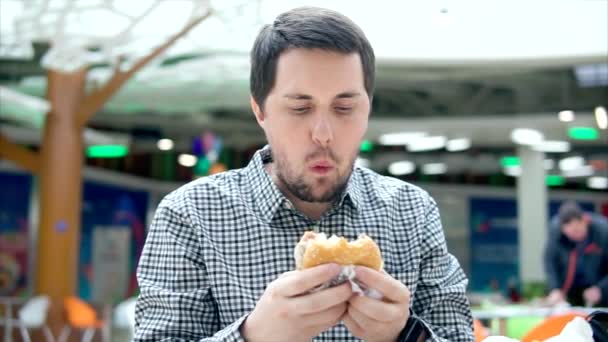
{"type": "Point", "coordinates": [312, 210]}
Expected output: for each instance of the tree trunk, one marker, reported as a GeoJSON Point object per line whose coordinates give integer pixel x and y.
{"type": "Point", "coordinates": [61, 159]}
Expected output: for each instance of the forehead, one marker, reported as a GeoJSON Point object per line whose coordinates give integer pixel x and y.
{"type": "Point", "coordinates": [316, 72]}
{"type": "Point", "coordinates": [572, 222]}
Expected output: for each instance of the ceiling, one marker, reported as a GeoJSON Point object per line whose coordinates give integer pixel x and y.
{"type": "Point", "coordinates": [467, 71]}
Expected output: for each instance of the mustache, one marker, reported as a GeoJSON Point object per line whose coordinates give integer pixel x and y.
{"type": "Point", "coordinates": [323, 153]}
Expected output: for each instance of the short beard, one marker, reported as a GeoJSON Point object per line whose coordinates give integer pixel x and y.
{"type": "Point", "coordinates": [302, 191]}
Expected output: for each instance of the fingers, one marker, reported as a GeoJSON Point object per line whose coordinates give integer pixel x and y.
{"type": "Point", "coordinates": [364, 325]}
{"type": "Point", "coordinates": [391, 289]}
{"type": "Point", "coordinates": [360, 318]}
{"type": "Point", "coordinates": [378, 310]}
{"type": "Point", "coordinates": [322, 300]}
{"type": "Point", "coordinates": [353, 326]}
{"type": "Point", "coordinates": [303, 281]}
{"type": "Point", "coordinates": [328, 317]}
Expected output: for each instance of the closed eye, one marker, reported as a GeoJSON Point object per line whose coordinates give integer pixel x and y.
{"type": "Point", "coordinates": [300, 110]}
{"type": "Point", "coordinates": [344, 110]}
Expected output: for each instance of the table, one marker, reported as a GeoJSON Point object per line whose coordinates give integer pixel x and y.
{"type": "Point", "coordinates": [513, 311]}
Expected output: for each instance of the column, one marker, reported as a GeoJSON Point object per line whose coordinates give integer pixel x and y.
{"type": "Point", "coordinates": [531, 214]}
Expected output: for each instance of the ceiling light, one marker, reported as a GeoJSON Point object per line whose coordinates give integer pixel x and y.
{"type": "Point", "coordinates": [427, 144]}
{"type": "Point", "coordinates": [513, 171]}
{"type": "Point", "coordinates": [566, 116]}
{"type": "Point", "coordinates": [571, 163]}
{"type": "Point", "coordinates": [8, 95]}
{"type": "Point", "coordinates": [583, 171]}
{"type": "Point", "coordinates": [455, 145]}
{"type": "Point", "coordinates": [434, 168]}
{"type": "Point", "coordinates": [552, 146]}
{"type": "Point", "coordinates": [554, 180]}
{"type": "Point", "coordinates": [165, 144]}
{"type": "Point", "coordinates": [601, 117]}
{"type": "Point", "coordinates": [399, 139]}
{"type": "Point", "coordinates": [97, 137]}
{"type": "Point", "coordinates": [366, 146]}
{"type": "Point", "coordinates": [597, 182]}
{"type": "Point", "coordinates": [107, 151]}
{"type": "Point", "coordinates": [187, 160]}
{"type": "Point", "coordinates": [526, 136]}
{"type": "Point", "coordinates": [362, 162]}
{"type": "Point", "coordinates": [510, 161]}
{"type": "Point", "coordinates": [583, 133]}
{"type": "Point", "coordinates": [401, 168]}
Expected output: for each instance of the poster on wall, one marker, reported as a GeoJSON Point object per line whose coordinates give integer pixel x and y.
{"type": "Point", "coordinates": [105, 207]}
{"type": "Point", "coordinates": [14, 233]}
{"type": "Point", "coordinates": [111, 253]}
{"type": "Point", "coordinates": [494, 253]}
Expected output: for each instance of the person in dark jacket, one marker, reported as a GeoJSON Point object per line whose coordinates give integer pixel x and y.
{"type": "Point", "coordinates": [576, 257]}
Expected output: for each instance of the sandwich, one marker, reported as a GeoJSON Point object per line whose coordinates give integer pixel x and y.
{"type": "Point", "coordinates": [316, 249]}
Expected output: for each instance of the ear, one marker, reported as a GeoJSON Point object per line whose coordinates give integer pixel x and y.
{"type": "Point", "coordinates": [257, 111]}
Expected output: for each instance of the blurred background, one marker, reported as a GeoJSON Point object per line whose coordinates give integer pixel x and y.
{"type": "Point", "coordinates": [497, 108]}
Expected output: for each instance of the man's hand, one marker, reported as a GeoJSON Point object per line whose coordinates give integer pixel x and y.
{"type": "Point", "coordinates": [286, 312]}
{"type": "Point", "coordinates": [378, 320]}
{"type": "Point", "coordinates": [555, 297]}
{"type": "Point", "coordinates": [592, 295]}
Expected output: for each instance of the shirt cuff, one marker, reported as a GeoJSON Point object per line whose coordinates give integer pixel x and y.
{"type": "Point", "coordinates": [232, 332]}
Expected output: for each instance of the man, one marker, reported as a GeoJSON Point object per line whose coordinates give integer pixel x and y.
{"type": "Point", "coordinates": [218, 261]}
{"type": "Point", "coordinates": [576, 257]}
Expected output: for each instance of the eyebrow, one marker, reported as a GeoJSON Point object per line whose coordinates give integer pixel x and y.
{"type": "Point", "coordinates": [345, 95]}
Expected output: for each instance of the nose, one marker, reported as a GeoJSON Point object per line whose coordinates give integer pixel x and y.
{"type": "Point", "coordinates": [322, 132]}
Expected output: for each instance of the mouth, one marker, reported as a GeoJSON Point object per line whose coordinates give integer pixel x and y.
{"type": "Point", "coordinates": [321, 167]}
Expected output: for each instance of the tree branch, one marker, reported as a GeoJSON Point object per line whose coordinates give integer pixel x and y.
{"type": "Point", "coordinates": [20, 155]}
{"type": "Point", "coordinates": [96, 99]}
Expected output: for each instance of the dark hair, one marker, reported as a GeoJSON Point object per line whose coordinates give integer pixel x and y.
{"type": "Point", "coordinates": [569, 211]}
{"type": "Point", "coordinates": [308, 28]}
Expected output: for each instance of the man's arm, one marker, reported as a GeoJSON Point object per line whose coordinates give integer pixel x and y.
{"type": "Point", "coordinates": [175, 302]}
{"type": "Point", "coordinates": [440, 300]}
{"type": "Point", "coordinates": [550, 257]}
{"type": "Point", "coordinates": [603, 283]}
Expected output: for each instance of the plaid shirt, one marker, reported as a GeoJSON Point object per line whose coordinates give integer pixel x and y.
{"type": "Point", "coordinates": [215, 244]}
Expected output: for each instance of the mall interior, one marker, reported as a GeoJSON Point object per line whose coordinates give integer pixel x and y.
{"type": "Point", "coordinates": [498, 109]}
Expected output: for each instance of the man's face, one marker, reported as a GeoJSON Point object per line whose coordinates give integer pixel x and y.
{"type": "Point", "coordinates": [314, 119]}
{"type": "Point", "coordinates": [575, 229]}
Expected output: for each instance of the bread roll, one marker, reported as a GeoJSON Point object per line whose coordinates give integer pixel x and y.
{"type": "Point", "coordinates": [316, 249]}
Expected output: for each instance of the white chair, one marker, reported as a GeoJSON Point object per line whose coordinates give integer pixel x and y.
{"type": "Point", "coordinates": [32, 315]}
{"type": "Point", "coordinates": [124, 316]}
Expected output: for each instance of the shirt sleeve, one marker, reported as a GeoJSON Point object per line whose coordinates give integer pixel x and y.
{"type": "Point", "coordinates": [175, 302]}
{"type": "Point", "coordinates": [603, 282]}
{"type": "Point", "coordinates": [551, 263]}
{"type": "Point", "coordinates": [440, 300]}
